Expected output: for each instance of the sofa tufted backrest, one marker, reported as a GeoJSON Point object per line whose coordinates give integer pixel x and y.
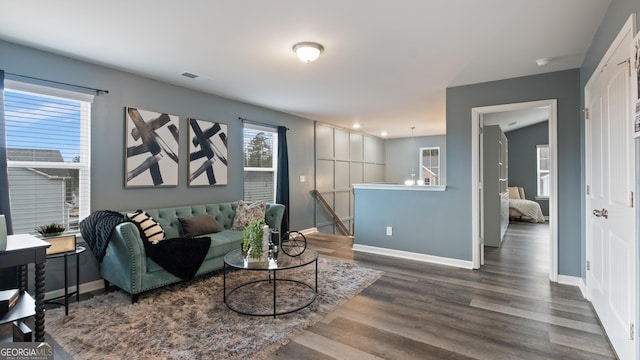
{"type": "Point", "coordinates": [222, 212]}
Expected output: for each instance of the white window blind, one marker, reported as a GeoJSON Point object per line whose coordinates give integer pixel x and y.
{"type": "Point", "coordinates": [48, 155]}
{"type": "Point", "coordinates": [260, 158]}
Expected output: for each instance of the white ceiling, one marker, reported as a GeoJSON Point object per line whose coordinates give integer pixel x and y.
{"type": "Point", "coordinates": [516, 119]}
{"type": "Point", "coordinates": [386, 64]}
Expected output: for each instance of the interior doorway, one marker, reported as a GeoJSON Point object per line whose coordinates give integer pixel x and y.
{"type": "Point", "coordinates": [478, 114]}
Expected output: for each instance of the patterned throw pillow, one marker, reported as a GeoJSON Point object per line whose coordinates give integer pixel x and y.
{"type": "Point", "coordinates": [151, 229]}
{"type": "Point", "coordinates": [246, 213]}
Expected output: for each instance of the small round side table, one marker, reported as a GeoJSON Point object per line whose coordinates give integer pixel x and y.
{"type": "Point", "coordinates": [79, 250]}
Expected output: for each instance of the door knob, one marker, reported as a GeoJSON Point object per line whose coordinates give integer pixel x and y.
{"type": "Point", "coordinates": [601, 213]}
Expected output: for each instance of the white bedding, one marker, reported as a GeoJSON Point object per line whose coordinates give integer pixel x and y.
{"type": "Point", "coordinates": [527, 208]}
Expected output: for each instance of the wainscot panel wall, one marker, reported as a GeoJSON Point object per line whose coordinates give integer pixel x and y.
{"type": "Point", "coordinates": [344, 158]}
{"type": "Point", "coordinates": [108, 135]}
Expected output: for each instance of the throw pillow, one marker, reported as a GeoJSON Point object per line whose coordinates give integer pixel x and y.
{"type": "Point", "coordinates": [246, 213]}
{"type": "Point", "coordinates": [199, 225]}
{"type": "Point", "coordinates": [513, 193]}
{"type": "Point", "coordinates": [150, 228]}
{"type": "Point", "coordinates": [521, 192]}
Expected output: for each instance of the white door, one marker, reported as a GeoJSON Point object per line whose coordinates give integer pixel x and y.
{"type": "Point", "coordinates": [610, 219]}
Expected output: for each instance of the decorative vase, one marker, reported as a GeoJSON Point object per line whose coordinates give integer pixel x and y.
{"type": "Point", "coordinates": [249, 258]}
{"type": "Point", "coordinates": [266, 239]}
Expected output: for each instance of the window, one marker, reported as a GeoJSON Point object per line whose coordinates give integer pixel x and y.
{"type": "Point", "coordinates": [47, 155]}
{"type": "Point", "coordinates": [260, 159]}
{"type": "Point", "coordinates": [430, 165]}
{"type": "Point", "coordinates": [543, 175]}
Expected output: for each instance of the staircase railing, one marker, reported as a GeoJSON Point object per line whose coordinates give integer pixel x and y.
{"type": "Point", "coordinates": [341, 225]}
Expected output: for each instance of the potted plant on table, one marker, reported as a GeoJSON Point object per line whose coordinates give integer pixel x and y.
{"type": "Point", "coordinates": [252, 243]}
{"type": "Point", "coordinates": [49, 230]}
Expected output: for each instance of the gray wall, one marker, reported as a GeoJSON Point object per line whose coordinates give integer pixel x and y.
{"type": "Point", "coordinates": [403, 155]}
{"type": "Point", "coordinates": [423, 222]}
{"type": "Point", "coordinates": [616, 16]}
{"type": "Point", "coordinates": [523, 159]}
{"type": "Point", "coordinates": [108, 127]}
{"type": "Point", "coordinates": [563, 86]}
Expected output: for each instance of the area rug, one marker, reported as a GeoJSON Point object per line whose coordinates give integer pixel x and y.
{"type": "Point", "coordinates": [191, 321]}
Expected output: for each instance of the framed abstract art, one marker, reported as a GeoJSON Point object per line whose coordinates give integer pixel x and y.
{"type": "Point", "coordinates": [151, 154]}
{"type": "Point", "coordinates": [207, 153]}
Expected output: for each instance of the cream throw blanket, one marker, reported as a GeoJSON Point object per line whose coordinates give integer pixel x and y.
{"type": "Point", "coordinates": [527, 208]}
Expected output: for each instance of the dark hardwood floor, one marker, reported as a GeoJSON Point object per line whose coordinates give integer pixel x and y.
{"type": "Point", "coordinates": [506, 310]}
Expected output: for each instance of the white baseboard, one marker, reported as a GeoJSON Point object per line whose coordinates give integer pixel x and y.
{"type": "Point", "coordinates": [574, 281]}
{"type": "Point", "coordinates": [84, 288]}
{"type": "Point", "coordinates": [414, 256]}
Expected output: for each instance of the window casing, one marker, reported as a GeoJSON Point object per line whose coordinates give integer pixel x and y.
{"type": "Point", "coordinates": [430, 166]}
{"type": "Point", "coordinates": [543, 177]}
{"type": "Point", "coordinates": [260, 152]}
{"type": "Point", "coordinates": [48, 155]}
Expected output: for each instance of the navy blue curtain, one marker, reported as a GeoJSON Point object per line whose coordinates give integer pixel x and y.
{"type": "Point", "coordinates": [5, 204]}
{"type": "Point", "coordinates": [282, 181]}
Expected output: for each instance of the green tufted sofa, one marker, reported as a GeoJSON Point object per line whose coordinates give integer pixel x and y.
{"type": "Point", "coordinates": [126, 265]}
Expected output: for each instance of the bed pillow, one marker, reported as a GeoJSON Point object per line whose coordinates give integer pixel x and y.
{"type": "Point", "coordinates": [246, 213]}
{"type": "Point", "coordinates": [150, 228]}
{"type": "Point", "coordinates": [521, 192]}
{"type": "Point", "coordinates": [514, 194]}
{"type": "Point", "coordinates": [199, 225]}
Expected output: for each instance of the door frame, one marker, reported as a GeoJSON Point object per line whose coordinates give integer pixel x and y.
{"type": "Point", "coordinates": [476, 190]}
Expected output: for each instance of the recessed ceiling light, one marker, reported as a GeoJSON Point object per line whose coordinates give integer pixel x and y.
{"type": "Point", "coordinates": [384, 133]}
{"type": "Point", "coordinates": [543, 61]}
{"type": "Point", "coordinates": [356, 126]}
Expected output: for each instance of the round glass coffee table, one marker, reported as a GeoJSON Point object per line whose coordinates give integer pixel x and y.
{"type": "Point", "coordinates": [277, 282]}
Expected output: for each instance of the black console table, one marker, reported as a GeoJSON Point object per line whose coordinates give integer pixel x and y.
{"type": "Point", "coordinates": [24, 249]}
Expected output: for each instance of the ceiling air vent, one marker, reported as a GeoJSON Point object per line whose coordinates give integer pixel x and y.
{"type": "Point", "coordinates": [189, 75]}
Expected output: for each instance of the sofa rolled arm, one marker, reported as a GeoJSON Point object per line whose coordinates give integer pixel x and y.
{"type": "Point", "coordinates": [273, 215]}
{"type": "Point", "coordinates": [125, 261]}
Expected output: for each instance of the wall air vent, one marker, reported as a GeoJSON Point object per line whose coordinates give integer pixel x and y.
{"type": "Point", "coordinates": [189, 75]}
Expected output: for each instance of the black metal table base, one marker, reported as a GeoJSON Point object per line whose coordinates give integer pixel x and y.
{"type": "Point", "coordinates": [63, 300]}
{"type": "Point", "coordinates": [275, 282]}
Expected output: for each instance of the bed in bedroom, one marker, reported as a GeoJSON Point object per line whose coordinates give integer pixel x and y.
{"type": "Point", "coordinates": [521, 208]}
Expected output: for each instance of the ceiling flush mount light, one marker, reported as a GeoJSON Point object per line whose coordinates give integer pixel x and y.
{"type": "Point", "coordinates": [308, 51]}
{"type": "Point", "coordinates": [543, 61]}
{"type": "Point", "coordinates": [356, 126]}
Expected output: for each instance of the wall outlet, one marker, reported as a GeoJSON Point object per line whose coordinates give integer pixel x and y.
{"type": "Point", "coordinates": [389, 231]}
{"type": "Point", "coordinates": [303, 178]}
